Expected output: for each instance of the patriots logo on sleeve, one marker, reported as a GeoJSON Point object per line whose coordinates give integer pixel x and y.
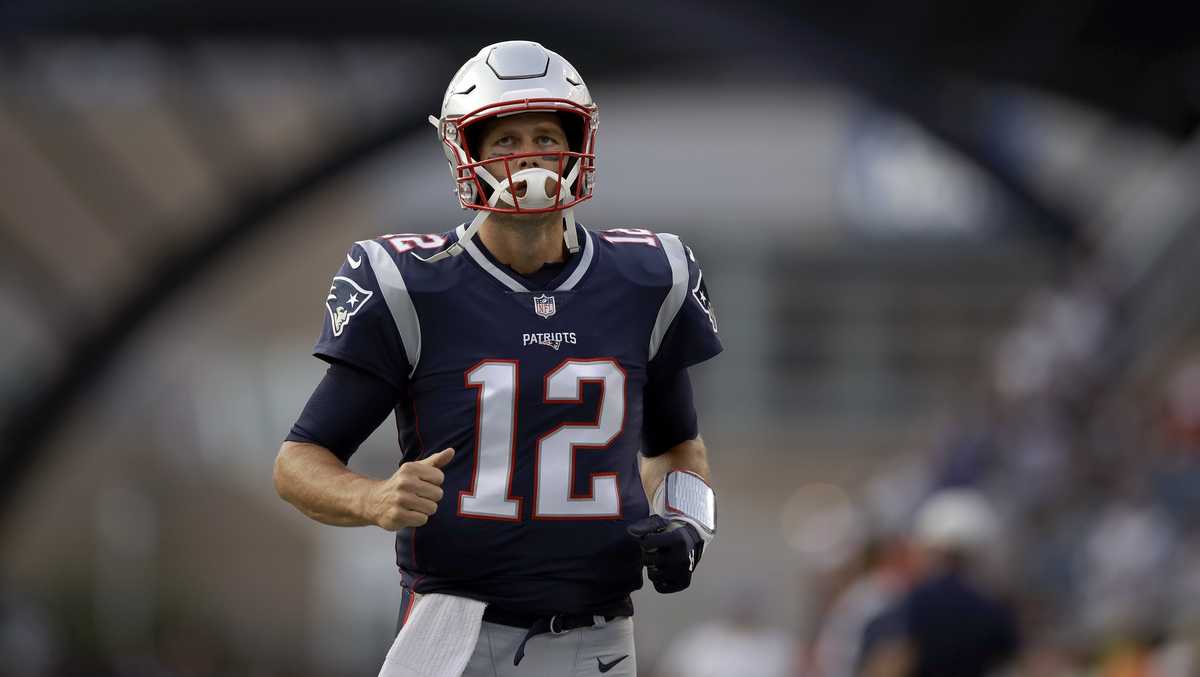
{"type": "Point", "coordinates": [345, 299]}
{"type": "Point", "coordinates": [700, 293]}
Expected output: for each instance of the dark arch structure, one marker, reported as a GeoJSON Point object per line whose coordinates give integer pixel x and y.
{"type": "Point", "coordinates": [605, 46]}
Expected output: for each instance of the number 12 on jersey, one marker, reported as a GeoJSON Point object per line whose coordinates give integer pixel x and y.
{"type": "Point", "coordinates": [554, 464]}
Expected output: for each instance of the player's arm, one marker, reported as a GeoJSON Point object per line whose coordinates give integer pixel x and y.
{"type": "Point", "coordinates": [675, 477]}
{"type": "Point", "coordinates": [690, 455]}
{"type": "Point", "coordinates": [310, 469]}
{"type": "Point", "coordinates": [671, 431]}
{"type": "Point", "coordinates": [315, 480]}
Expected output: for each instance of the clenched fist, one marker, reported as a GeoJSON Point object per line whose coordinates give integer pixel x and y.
{"type": "Point", "coordinates": [671, 549]}
{"type": "Point", "coordinates": [409, 497]}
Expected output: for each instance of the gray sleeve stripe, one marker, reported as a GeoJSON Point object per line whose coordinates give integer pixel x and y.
{"type": "Point", "coordinates": [395, 295]}
{"type": "Point", "coordinates": [677, 257]}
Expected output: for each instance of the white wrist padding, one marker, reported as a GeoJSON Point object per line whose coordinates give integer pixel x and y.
{"type": "Point", "coordinates": [685, 496]}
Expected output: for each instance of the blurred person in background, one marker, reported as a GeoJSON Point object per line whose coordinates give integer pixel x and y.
{"type": "Point", "coordinates": [885, 575]}
{"type": "Point", "coordinates": [949, 624]}
{"type": "Point", "coordinates": [528, 344]}
{"type": "Point", "coordinates": [738, 641]}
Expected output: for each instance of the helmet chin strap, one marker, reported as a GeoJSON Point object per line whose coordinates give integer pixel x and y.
{"type": "Point", "coordinates": [503, 189]}
{"type": "Point", "coordinates": [570, 237]}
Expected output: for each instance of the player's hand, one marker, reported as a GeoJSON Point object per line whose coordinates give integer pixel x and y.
{"type": "Point", "coordinates": [409, 497]}
{"type": "Point", "coordinates": [671, 550]}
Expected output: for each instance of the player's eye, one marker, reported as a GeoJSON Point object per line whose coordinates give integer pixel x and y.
{"type": "Point", "coordinates": [547, 140]}
{"type": "Point", "coordinates": [506, 140]}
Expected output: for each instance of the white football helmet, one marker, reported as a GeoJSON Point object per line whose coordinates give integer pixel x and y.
{"type": "Point", "coordinates": [508, 78]}
{"type": "Point", "coordinates": [956, 519]}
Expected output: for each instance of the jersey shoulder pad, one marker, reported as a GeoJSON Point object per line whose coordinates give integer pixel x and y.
{"type": "Point", "coordinates": [645, 257]}
{"type": "Point", "coordinates": [397, 260]}
{"type": "Point", "coordinates": [371, 318]}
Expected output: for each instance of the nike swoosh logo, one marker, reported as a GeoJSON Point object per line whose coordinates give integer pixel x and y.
{"type": "Point", "coordinates": [353, 263]}
{"type": "Point", "coordinates": [605, 667]}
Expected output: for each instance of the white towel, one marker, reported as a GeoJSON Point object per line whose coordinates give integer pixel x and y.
{"type": "Point", "coordinates": [438, 638]}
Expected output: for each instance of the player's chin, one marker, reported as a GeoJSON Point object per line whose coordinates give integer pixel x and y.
{"type": "Point", "coordinates": [531, 218]}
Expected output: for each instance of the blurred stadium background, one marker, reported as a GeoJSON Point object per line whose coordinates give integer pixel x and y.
{"type": "Point", "coordinates": [949, 245]}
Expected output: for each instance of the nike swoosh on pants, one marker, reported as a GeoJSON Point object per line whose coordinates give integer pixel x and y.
{"type": "Point", "coordinates": [605, 667]}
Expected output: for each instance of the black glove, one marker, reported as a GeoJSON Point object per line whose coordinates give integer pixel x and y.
{"type": "Point", "coordinates": [670, 550]}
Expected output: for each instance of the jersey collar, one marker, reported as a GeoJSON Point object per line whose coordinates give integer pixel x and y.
{"type": "Point", "coordinates": [504, 278]}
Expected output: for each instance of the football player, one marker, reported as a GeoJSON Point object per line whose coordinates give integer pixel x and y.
{"type": "Point", "coordinates": [527, 360]}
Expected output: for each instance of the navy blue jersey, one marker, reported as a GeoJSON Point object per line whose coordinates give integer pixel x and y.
{"type": "Point", "coordinates": [538, 391]}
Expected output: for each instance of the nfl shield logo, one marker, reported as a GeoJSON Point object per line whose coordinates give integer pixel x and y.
{"type": "Point", "coordinates": [543, 305]}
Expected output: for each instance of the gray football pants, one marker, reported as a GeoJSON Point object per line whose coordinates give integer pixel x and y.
{"type": "Point", "coordinates": [583, 652]}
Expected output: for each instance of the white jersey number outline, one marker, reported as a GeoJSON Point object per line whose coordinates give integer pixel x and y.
{"type": "Point", "coordinates": [630, 236]}
{"type": "Point", "coordinates": [554, 471]}
{"type": "Point", "coordinates": [405, 242]}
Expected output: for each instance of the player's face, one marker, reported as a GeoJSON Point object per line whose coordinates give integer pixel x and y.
{"type": "Point", "coordinates": [524, 133]}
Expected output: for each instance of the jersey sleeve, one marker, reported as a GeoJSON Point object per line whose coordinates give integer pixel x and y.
{"type": "Point", "coordinates": [670, 413]}
{"type": "Point", "coordinates": [344, 409]}
{"type": "Point", "coordinates": [685, 331]}
{"type": "Point", "coordinates": [360, 328]}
